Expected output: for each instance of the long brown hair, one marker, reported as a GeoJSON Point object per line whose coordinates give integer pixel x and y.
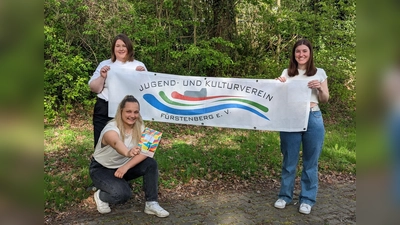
{"type": "Point", "coordinates": [128, 43]}
{"type": "Point", "coordinates": [137, 127]}
{"type": "Point", "coordinates": [311, 70]}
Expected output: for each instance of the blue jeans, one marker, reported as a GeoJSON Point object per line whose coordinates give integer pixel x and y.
{"type": "Point", "coordinates": [312, 141]}
{"type": "Point", "coordinates": [116, 190]}
{"type": "Point", "coordinates": [393, 134]}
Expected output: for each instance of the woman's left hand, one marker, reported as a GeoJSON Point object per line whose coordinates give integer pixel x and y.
{"type": "Point", "coordinates": [314, 84]}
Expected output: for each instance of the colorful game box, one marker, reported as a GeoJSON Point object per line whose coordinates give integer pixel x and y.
{"type": "Point", "coordinates": [149, 141]}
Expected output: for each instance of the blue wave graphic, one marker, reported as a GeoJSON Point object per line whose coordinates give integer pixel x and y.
{"type": "Point", "coordinates": [160, 106]}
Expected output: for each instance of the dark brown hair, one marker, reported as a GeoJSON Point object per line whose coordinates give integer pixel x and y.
{"type": "Point", "coordinates": [130, 55]}
{"type": "Point", "coordinates": [311, 70]}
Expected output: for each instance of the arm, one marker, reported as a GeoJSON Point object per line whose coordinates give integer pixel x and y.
{"type": "Point", "coordinates": [283, 76]}
{"type": "Point", "coordinates": [141, 66]}
{"type": "Point", "coordinates": [322, 89]}
{"type": "Point", "coordinates": [323, 92]}
{"type": "Point", "coordinates": [97, 84]}
{"type": "Point", "coordinates": [111, 138]}
{"type": "Point", "coordinates": [131, 163]}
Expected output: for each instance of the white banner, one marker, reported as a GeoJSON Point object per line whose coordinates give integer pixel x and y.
{"type": "Point", "coordinates": [259, 104]}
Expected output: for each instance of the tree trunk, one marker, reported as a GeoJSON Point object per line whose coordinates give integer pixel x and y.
{"type": "Point", "coordinates": [224, 19]}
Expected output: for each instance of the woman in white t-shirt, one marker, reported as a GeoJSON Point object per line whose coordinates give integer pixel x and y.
{"type": "Point", "coordinates": [122, 55]}
{"type": "Point", "coordinates": [117, 160]}
{"type": "Point", "coordinates": [301, 67]}
{"type": "Point", "coordinates": [391, 96]}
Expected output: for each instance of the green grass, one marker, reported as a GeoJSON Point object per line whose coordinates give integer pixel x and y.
{"type": "Point", "coordinates": [186, 152]}
{"type": "Point", "coordinates": [339, 152]}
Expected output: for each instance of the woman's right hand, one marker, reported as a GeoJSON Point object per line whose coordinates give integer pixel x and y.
{"type": "Point", "coordinates": [281, 79]}
{"type": "Point", "coordinates": [140, 68]}
{"type": "Point", "coordinates": [133, 152]}
{"type": "Point", "coordinates": [103, 71]}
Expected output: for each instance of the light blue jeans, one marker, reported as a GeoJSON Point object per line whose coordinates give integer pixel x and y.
{"type": "Point", "coordinates": [393, 134]}
{"type": "Point", "coordinates": [312, 141]}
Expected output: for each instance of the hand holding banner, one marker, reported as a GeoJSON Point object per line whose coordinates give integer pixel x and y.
{"type": "Point", "coordinates": [259, 104]}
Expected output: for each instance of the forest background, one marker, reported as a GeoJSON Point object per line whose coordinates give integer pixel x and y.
{"type": "Point", "coordinates": [231, 38]}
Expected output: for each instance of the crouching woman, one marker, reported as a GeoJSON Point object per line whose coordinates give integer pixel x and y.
{"type": "Point", "coordinates": [117, 160]}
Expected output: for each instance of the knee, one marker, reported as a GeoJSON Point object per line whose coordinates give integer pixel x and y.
{"type": "Point", "coordinates": [152, 163]}
{"type": "Point", "coordinates": [122, 197]}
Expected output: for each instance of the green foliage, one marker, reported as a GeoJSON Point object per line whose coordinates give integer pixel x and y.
{"type": "Point", "coordinates": [340, 148]}
{"type": "Point", "coordinates": [74, 45]}
{"type": "Point", "coordinates": [191, 38]}
{"type": "Point", "coordinates": [197, 59]}
{"type": "Point", "coordinates": [65, 77]}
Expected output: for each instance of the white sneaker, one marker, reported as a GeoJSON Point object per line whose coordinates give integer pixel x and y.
{"type": "Point", "coordinates": [305, 208]}
{"type": "Point", "coordinates": [102, 207]}
{"type": "Point", "coordinates": [153, 208]}
{"type": "Point", "coordinates": [280, 204]}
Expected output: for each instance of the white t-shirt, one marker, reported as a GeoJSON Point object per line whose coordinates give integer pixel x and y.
{"type": "Point", "coordinates": [108, 156]}
{"type": "Point", "coordinates": [104, 93]}
{"type": "Point", "coordinates": [391, 88]}
{"type": "Point", "coordinates": [320, 76]}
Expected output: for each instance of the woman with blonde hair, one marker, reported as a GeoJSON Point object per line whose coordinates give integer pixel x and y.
{"type": "Point", "coordinates": [117, 160]}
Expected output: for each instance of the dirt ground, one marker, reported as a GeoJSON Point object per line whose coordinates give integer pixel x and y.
{"type": "Point", "coordinates": [239, 204]}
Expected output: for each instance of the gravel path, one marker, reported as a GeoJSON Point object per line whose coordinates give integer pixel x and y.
{"type": "Point", "coordinates": [336, 204]}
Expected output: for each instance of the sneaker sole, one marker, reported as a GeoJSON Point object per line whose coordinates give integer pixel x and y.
{"type": "Point", "coordinates": [100, 211]}
{"type": "Point", "coordinates": [304, 212]}
{"type": "Point", "coordinates": [103, 212]}
{"type": "Point", "coordinates": [279, 207]}
{"type": "Point", "coordinates": [153, 213]}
